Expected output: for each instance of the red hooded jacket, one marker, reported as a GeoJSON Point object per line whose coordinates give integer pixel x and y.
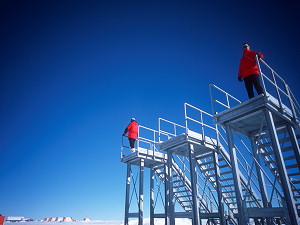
{"type": "Point", "coordinates": [248, 65]}
{"type": "Point", "coordinates": [132, 130]}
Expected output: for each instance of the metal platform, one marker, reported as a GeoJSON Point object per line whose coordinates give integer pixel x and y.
{"type": "Point", "coordinates": [247, 117]}
{"type": "Point", "coordinates": [151, 158]}
{"type": "Point", "coordinates": [179, 145]}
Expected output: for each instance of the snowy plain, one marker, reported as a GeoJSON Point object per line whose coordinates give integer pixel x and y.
{"type": "Point", "coordinates": [146, 221]}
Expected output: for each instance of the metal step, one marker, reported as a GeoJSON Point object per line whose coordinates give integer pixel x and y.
{"type": "Point", "coordinates": [204, 163]}
{"type": "Point", "coordinates": [295, 181]}
{"type": "Point", "coordinates": [207, 155]}
{"type": "Point", "coordinates": [226, 179]}
{"type": "Point", "coordinates": [291, 166]}
{"type": "Point", "coordinates": [207, 170]}
{"type": "Point", "coordinates": [159, 167]}
{"type": "Point", "coordinates": [179, 186]}
{"type": "Point", "coordinates": [285, 159]}
{"type": "Point", "coordinates": [226, 172]}
{"type": "Point", "coordinates": [181, 191]}
{"type": "Point", "coordinates": [224, 166]}
{"type": "Point", "coordinates": [229, 185]}
{"type": "Point", "coordinates": [176, 181]}
{"type": "Point", "coordinates": [230, 191]}
{"type": "Point", "coordinates": [269, 144]}
{"type": "Point", "coordinates": [294, 174]}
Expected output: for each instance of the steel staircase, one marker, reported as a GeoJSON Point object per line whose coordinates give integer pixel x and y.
{"type": "Point", "coordinates": [289, 156]}
{"type": "Point", "coordinates": [241, 165]}
{"type": "Point", "coordinates": [182, 187]}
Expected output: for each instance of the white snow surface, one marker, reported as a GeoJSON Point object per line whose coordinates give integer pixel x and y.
{"type": "Point", "coordinates": [146, 221]}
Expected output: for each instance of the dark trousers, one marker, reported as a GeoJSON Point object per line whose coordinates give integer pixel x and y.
{"type": "Point", "coordinates": [250, 81]}
{"type": "Point", "coordinates": [131, 142]}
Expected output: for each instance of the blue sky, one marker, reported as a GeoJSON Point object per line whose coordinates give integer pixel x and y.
{"type": "Point", "coordinates": [73, 73]}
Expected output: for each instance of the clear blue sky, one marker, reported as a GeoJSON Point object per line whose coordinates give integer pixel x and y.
{"type": "Point", "coordinates": [73, 73]}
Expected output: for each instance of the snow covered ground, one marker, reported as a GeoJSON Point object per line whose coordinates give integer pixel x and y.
{"type": "Point", "coordinates": [102, 222]}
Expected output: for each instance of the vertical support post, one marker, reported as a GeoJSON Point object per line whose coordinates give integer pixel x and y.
{"type": "Point", "coordinates": [141, 193]}
{"type": "Point", "coordinates": [126, 222]}
{"type": "Point", "coordinates": [196, 207]}
{"type": "Point", "coordinates": [219, 191]}
{"type": "Point", "coordinates": [260, 178]}
{"type": "Point", "coordinates": [236, 177]}
{"type": "Point", "coordinates": [169, 209]}
{"type": "Point", "coordinates": [261, 76]}
{"type": "Point", "coordinates": [152, 196]}
{"type": "Point", "coordinates": [286, 187]}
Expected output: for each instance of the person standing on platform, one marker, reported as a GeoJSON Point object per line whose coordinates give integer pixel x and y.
{"type": "Point", "coordinates": [132, 130]}
{"type": "Point", "coordinates": [249, 72]}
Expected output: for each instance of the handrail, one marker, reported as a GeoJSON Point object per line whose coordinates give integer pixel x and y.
{"type": "Point", "coordinates": [228, 96]}
{"type": "Point", "coordinates": [283, 92]}
{"type": "Point", "coordinates": [166, 133]}
{"type": "Point", "coordinates": [201, 122]}
{"type": "Point", "coordinates": [151, 142]}
{"type": "Point", "coordinates": [287, 93]}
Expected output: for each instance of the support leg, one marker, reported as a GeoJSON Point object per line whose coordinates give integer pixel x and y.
{"type": "Point", "coordinates": [127, 194]}
{"type": "Point", "coordinates": [196, 207]}
{"type": "Point", "coordinates": [141, 193]}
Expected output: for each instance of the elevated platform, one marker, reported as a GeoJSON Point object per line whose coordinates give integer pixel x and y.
{"type": "Point", "coordinates": [180, 144]}
{"type": "Point", "coordinates": [151, 158]}
{"type": "Point", "coordinates": [247, 117]}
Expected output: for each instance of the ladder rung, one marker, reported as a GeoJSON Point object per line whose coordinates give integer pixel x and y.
{"type": "Point", "coordinates": [264, 145]}
{"type": "Point", "coordinates": [285, 159]}
{"type": "Point", "coordinates": [230, 191]}
{"type": "Point", "coordinates": [287, 149]}
{"type": "Point", "coordinates": [176, 181]}
{"type": "Point", "coordinates": [296, 181]}
{"type": "Point", "coordinates": [204, 156]}
{"type": "Point", "coordinates": [267, 153]}
{"type": "Point", "coordinates": [205, 163]}
{"type": "Point", "coordinates": [181, 191]}
{"type": "Point", "coordinates": [294, 174]}
{"type": "Point", "coordinates": [185, 196]}
{"type": "Point", "coordinates": [268, 144]}
{"type": "Point", "coordinates": [159, 166]}
{"type": "Point", "coordinates": [225, 186]}
{"type": "Point", "coordinates": [289, 157]}
{"type": "Point", "coordinates": [229, 197]}
{"type": "Point", "coordinates": [226, 172]}
{"type": "Point", "coordinates": [226, 179]}
{"type": "Point", "coordinates": [233, 203]}
{"type": "Point", "coordinates": [208, 169]}
{"type": "Point", "coordinates": [291, 166]}
{"type": "Point", "coordinates": [224, 166]}
{"type": "Point", "coordinates": [221, 159]}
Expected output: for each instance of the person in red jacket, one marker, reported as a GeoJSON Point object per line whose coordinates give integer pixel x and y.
{"type": "Point", "coordinates": [249, 72]}
{"type": "Point", "coordinates": [132, 130]}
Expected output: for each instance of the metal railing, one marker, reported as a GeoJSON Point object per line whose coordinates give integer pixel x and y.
{"type": "Point", "coordinates": [206, 127]}
{"type": "Point", "coordinates": [173, 131]}
{"type": "Point", "coordinates": [275, 84]}
{"type": "Point", "coordinates": [146, 141]}
{"type": "Point", "coordinates": [230, 100]}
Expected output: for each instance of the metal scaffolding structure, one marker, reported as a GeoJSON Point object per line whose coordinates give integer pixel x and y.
{"type": "Point", "coordinates": [239, 165]}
